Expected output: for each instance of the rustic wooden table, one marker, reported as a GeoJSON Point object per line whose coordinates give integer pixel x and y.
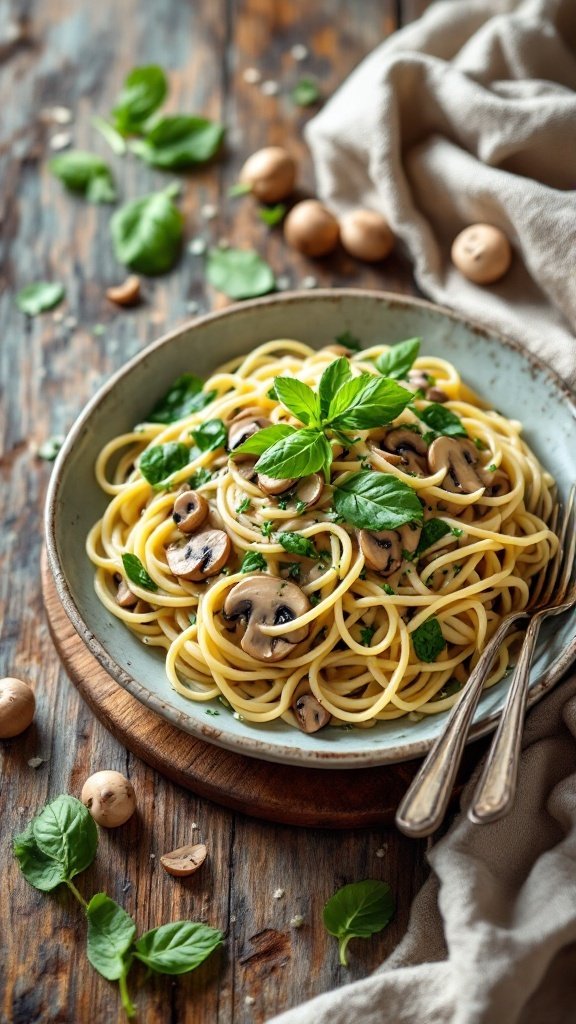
{"type": "Point", "coordinates": [76, 54]}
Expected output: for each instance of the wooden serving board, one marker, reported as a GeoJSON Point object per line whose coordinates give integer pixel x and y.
{"type": "Point", "coordinates": [312, 797]}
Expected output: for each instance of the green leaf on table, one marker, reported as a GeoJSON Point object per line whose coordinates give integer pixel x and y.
{"type": "Point", "coordinates": [59, 843]}
{"type": "Point", "coordinates": [432, 531]}
{"type": "Point", "coordinates": [162, 460]}
{"type": "Point", "coordinates": [254, 561]}
{"type": "Point", "coordinates": [38, 869]}
{"type": "Point", "coordinates": [239, 273]}
{"type": "Point", "coordinates": [263, 439]}
{"type": "Point", "coordinates": [358, 910]}
{"type": "Point", "coordinates": [179, 141]}
{"type": "Point", "coordinates": [334, 376]}
{"type": "Point", "coordinates": [272, 215]}
{"type": "Point", "coordinates": [136, 572]}
{"type": "Point", "coordinates": [376, 501]}
{"type": "Point", "coordinates": [111, 932]}
{"type": "Point", "coordinates": [210, 435]}
{"type": "Point", "coordinates": [299, 399]}
{"type": "Point", "coordinates": [428, 640]}
{"type": "Point", "coordinates": [39, 297]}
{"type": "Point", "coordinates": [177, 947]}
{"type": "Point", "coordinates": [147, 233]}
{"type": "Point", "coordinates": [306, 92]}
{"type": "Point", "coordinates": [399, 359]}
{"type": "Point", "coordinates": [296, 544]}
{"type": "Point", "coordinates": [144, 90]}
{"type": "Point", "coordinates": [86, 173]}
{"type": "Point", "coordinates": [113, 137]}
{"type": "Point", "coordinates": [302, 453]}
{"type": "Point", "coordinates": [442, 420]}
{"type": "Point", "coordinates": [49, 448]}
{"type": "Point", "coordinates": [367, 401]}
{"type": "Point", "coordinates": [184, 397]}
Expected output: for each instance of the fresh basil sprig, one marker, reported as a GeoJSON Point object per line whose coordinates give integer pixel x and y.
{"type": "Point", "coordinates": [376, 501]}
{"type": "Point", "coordinates": [184, 397]}
{"type": "Point", "coordinates": [57, 845]}
{"type": "Point", "coordinates": [144, 90]}
{"type": "Point", "coordinates": [399, 359]}
{"type": "Point", "coordinates": [162, 460]}
{"type": "Point", "coordinates": [39, 297]}
{"type": "Point", "coordinates": [358, 910]}
{"type": "Point", "coordinates": [147, 232]}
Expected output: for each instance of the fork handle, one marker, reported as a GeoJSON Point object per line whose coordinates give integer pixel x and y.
{"type": "Point", "coordinates": [424, 804]}
{"type": "Point", "coordinates": [496, 788]}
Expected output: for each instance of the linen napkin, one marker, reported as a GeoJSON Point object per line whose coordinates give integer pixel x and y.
{"type": "Point", "coordinates": [469, 115]}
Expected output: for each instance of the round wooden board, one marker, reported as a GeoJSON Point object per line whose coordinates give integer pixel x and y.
{"type": "Point", "coordinates": [311, 797]}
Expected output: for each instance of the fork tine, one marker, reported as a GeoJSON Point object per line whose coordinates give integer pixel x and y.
{"type": "Point", "coordinates": [569, 548]}
{"type": "Point", "coordinates": [549, 572]}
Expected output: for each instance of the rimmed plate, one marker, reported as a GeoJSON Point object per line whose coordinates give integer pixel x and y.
{"type": "Point", "coordinates": [514, 381]}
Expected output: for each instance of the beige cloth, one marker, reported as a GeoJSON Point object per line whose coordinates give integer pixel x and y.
{"type": "Point", "coordinates": [465, 116]}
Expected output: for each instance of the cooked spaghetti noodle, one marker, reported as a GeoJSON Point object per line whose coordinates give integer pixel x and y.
{"type": "Point", "coordinates": [351, 643]}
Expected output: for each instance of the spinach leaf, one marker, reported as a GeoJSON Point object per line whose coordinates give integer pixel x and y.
{"type": "Point", "coordinates": [210, 435]}
{"type": "Point", "coordinates": [349, 340]}
{"type": "Point", "coordinates": [239, 273]}
{"type": "Point", "coordinates": [39, 297]}
{"type": "Point", "coordinates": [428, 640]}
{"type": "Point", "coordinates": [305, 93]}
{"type": "Point", "coordinates": [254, 561]}
{"type": "Point", "coordinates": [334, 376]}
{"type": "Point", "coordinates": [147, 233]}
{"type": "Point", "coordinates": [296, 544]}
{"type": "Point", "coordinates": [432, 531]}
{"type": "Point", "coordinates": [263, 439]}
{"type": "Point", "coordinates": [376, 501]}
{"type": "Point", "coordinates": [144, 90]}
{"type": "Point", "coordinates": [399, 359]}
{"type": "Point", "coordinates": [303, 452]}
{"type": "Point", "coordinates": [442, 420]}
{"type": "Point", "coordinates": [379, 401]}
{"type": "Point", "coordinates": [86, 173]}
{"type": "Point", "coordinates": [136, 572]}
{"type": "Point", "coordinates": [184, 397]}
{"type": "Point", "coordinates": [299, 399]}
{"type": "Point", "coordinates": [159, 462]}
{"type": "Point", "coordinates": [178, 947]}
{"type": "Point", "coordinates": [179, 141]}
{"type": "Point", "coordinates": [111, 932]}
{"type": "Point", "coordinates": [358, 910]}
{"type": "Point", "coordinates": [272, 215]}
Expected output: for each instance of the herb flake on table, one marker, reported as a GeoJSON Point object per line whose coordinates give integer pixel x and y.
{"type": "Point", "coordinates": [239, 273]}
{"type": "Point", "coordinates": [306, 92]}
{"type": "Point", "coordinates": [39, 297]}
{"type": "Point", "coordinates": [272, 215]}
{"type": "Point", "coordinates": [358, 910]}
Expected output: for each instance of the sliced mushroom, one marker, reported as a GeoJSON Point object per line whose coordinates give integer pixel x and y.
{"type": "Point", "coordinates": [435, 394]}
{"type": "Point", "coordinates": [185, 860]}
{"type": "Point", "coordinates": [249, 412]}
{"type": "Point", "coordinates": [270, 485]}
{"type": "Point", "coordinates": [242, 429]}
{"type": "Point", "coordinates": [124, 596]}
{"type": "Point", "coordinates": [309, 489]}
{"type": "Point", "coordinates": [265, 600]}
{"type": "Point", "coordinates": [190, 511]}
{"type": "Point", "coordinates": [458, 456]}
{"type": "Point", "coordinates": [409, 446]}
{"type": "Point", "coordinates": [383, 550]}
{"type": "Point", "coordinates": [418, 380]}
{"type": "Point", "coordinates": [310, 715]}
{"type": "Point", "coordinates": [496, 483]}
{"type": "Point", "coordinates": [200, 556]}
{"type": "Point", "coordinates": [246, 467]}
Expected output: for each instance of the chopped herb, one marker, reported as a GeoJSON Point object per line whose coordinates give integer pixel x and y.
{"type": "Point", "coordinates": [432, 531]}
{"type": "Point", "coordinates": [398, 360]}
{"type": "Point", "coordinates": [201, 476]}
{"type": "Point", "coordinates": [388, 589]}
{"type": "Point", "coordinates": [296, 544]}
{"type": "Point", "coordinates": [292, 569]}
{"type": "Point", "coordinates": [305, 93]}
{"type": "Point", "coordinates": [456, 569]}
{"type": "Point", "coordinates": [362, 575]}
{"type": "Point", "coordinates": [136, 572]}
{"type": "Point", "coordinates": [211, 711]}
{"type": "Point", "coordinates": [253, 561]}
{"type": "Point", "coordinates": [272, 215]}
{"type": "Point", "coordinates": [162, 460]}
{"type": "Point", "coordinates": [409, 556]}
{"type": "Point", "coordinates": [449, 689]}
{"type": "Point", "coordinates": [211, 435]}
{"type": "Point", "coordinates": [244, 505]}
{"type": "Point", "coordinates": [428, 640]}
{"type": "Point", "coordinates": [480, 444]}
{"type": "Point", "coordinates": [314, 599]}
{"type": "Point", "coordinates": [266, 528]}
{"type": "Point", "coordinates": [366, 634]}
{"type": "Point", "coordinates": [300, 506]}
{"type": "Point", "coordinates": [192, 617]}
{"type": "Point", "coordinates": [492, 468]}
{"type": "Point", "coordinates": [240, 188]}
{"type": "Point", "coordinates": [184, 397]}
{"type": "Point", "coordinates": [283, 504]}
{"type": "Point", "coordinates": [349, 340]}
{"type": "Point", "coordinates": [456, 531]}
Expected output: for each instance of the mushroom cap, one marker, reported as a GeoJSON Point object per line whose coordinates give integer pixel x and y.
{"type": "Point", "coordinates": [185, 860]}
{"type": "Point", "coordinates": [200, 556]}
{"type": "Point", "coordinates": [458, 456]}
{"type": "Point", "coordinates": [435, 394]}
{"type": "Point", "coordinates": [311, 228]}
{"type": "Point", "coordinates": [109, 797]}
{"type": "Point", "coordinates": [482, 253]}
{"type": "Point", "coordinates": [383, 550]}
{"type": "Point", "coordinates": [264, 600]}
{"type": "Point", "coordinates": [409, 446]}
{"type": "Point", "coordinates": [271, 174]}
{"type": "Point", "coordinates": [249, 411]}
{"type": "Point", "coordinates": [309, 489]}
{"type": "Point", "coordinates": [241, 429]}
{"type": "Point", "coordinates": [309, 713]}
{"type": "Point", "coordinates": [366, 235]}
{"type": "Point", "coordinates": [245, 467]}
{"type": "Point", "coordinates": [272, 485]}
{"type": "Point", "coordinates": [17, 706]}
{"type": "Point", "coordinates": [190, 511]}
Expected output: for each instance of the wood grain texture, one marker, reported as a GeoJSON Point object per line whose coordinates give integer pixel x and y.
{"type": "Point", "coordinates": [76, 53]}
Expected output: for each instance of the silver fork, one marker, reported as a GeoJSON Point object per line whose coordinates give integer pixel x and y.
{"type": "Point", "coordinates": [423, 806]}
{"type": "Point", "coordinates": [496, 789]}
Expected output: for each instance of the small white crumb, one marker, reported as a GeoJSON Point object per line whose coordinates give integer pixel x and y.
{"type": "Point", "coordinates": [381, 851]}
{"type": "Point", "coordinates": [193, 825]}
{"type": "Point", "coordinates": [252, 76]}
{"type": "Point", "coordinates": [278, 894]}
{"type": "Point", "coordinates": [192, 307]}
{"type": "Point", "coordinates": [414, 716]}
{"type": "Point", "coordinates": [60, 141]}
{"type": "Point", "coordinates": [297, 921]}
{"type": "Point", "coordinates": [126, 886]}
{"type": "Point", "coordinates": [309, 282]}
{"type": "Point", "coordinates": [233, 919]}
{"type": "Point", "coordinates": [283, 282]}
{"type": "Point", "coordinates": [21, 810]}
{"type": "Point", "coordinates": [35, 762]}
{"type": "Point", "coordinates": [299, 51]}
{"type": "Point", "coordinates": [270, 87]}
{"type": "Point", "coordinates": [208, 211]}
{"type": "Point", "coordinates": [152, 856]}
{"type": "Point", "coordinates": [70, 322]}
{"type": "Point", "coordinates": [249, 1000]}
{"type": "Point", "coordinates": [58, 316]}
{"type": "Point", "coordinates": [59, 115]}
{"type": "Point", "coordinates": [238, 717]}
{"type": "Point", "coordinates": [197, 247]}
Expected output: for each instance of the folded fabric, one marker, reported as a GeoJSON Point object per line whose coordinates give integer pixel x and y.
{"type": "Point", "coordinates": [468, 116]}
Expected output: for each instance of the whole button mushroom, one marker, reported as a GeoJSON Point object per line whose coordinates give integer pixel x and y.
{"type": "Point", "coordinates": [311, 228]}
{"type": "Point", "coordinates": [265, 600]}
{"type": "Point", "coordinates": [109, 797]}
{"type": "Point", "coordinates": [366, 235]}
{"type": "Point", "coordinates": [200, 556]}
{"type": "Point", "coordinates": [482, 253]}
{"type": "Point", "coordinates": [17, 706]}
{"type": "Point", "coordinates": [310, 715]}
{"type": "Point", "coordinates": [459, 457]}
{"type": "Point", "coordinates": [270, 173]}
{"type": "Point", "coordinates": [185, 860]}
{"type": "Point", "coordinates": [190, 511]}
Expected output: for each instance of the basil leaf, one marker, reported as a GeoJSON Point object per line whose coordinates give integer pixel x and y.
{"type": "Point", "coordinates": [111, 932]}
{"type": "Point", "coordinates": [334, 376]}
{"type": "Point", "coordinates": [239, 273]}
{"type": "Point", "coordinates": [442, 420]}
{"type": "Point", "coordinates": [263, 439]}
{"type": "Point", "coordinates": [272, 215]}
{"type": "Point", "coordinates": [376, 501]}
{"type": "Point", "coordinates": [160, 461]}
{"type": "Point", "coordinates": [432, 531]}
{"type": "Point", "coordinates": [346, 394]}
{"type": "Point", "coordinates": [65, 832]}
{"type": "Point", "coordinates": [296, 544]}
{"type": "Point", "coordinates": [147, 233]}
{"type": "Point", "coordinates": [114, 139]}
{"type": "Point", "coordinates": [144, 90]}
{"type": "Point", "coordinates": [38, 869]}
{"type": "Point", "coordinates": [179, 141]}
{"type": "Point", "coordinates": [254, 561]}
{"type": "Point", "coordinates": [358, 910]}
{"type": "Point", "coordinates": [305, 93]}
{"type": "Point", "coordinates": [304, 452]}
{"type": "Point", "coordinates": [84, 172]}
{"type": "Point", "coordinates": [184, 397]}
{"type": "Point", "coordinates": [299, 399]}
{"type": "Point", "coordinates": [178, 947]}
{"type": "Point", "coordinates": [136, 572]}
{"type": "Point", "coordinates": [380, 401]}
{"type": "Point", "coordinates": [210, 435]}
{"type": "Point", "coordinates": [349, 340]}
{"type": "Point", "coordinates": [201, 476]}
{"type": "Point", "coordinates": [39, 297]}
{"type": "Point", "coordinates": [398, 360]}
{"type": "Point", "coordinates": [428, 640]}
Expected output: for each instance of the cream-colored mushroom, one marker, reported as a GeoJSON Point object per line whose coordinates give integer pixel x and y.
{"type": "Point", "coordinates": [248, 412]}
{"type": "Point", "coordinates": [309, 489]}
{"type": "Point", "coordinates": [199, 557]}
{"type": "Point", "coordinates": [185, 860]}
{"type": "Point", "coordinates": [309, 713]}
{"type": "Point", "coordinates": [240, 430]}
{"type": "Point", "coordinates": [482, 253]}
{"type": "Point", "coordinates": [496, 483]}
{"type": "Point", "coordinates": [265, 600]}
{"type": "Point", "coordinates": [409, 446]}
{"type": "Point", "coordinates": [383, 550]}
{"type": "Point", "coordinates": [109, 797]}
{"type": "Point", "coordinates": [458, 456]}
{"type": "Point", "coordinates": [366, 235]}
{"type": "Point", "coordinates": [17, 705]}
{"type": "Point", "coordinates": [273, 486]}
{"type": "Point", "coordinates": [245, 467]}
{"type": "Point", "coordinates": [270, 173]}
{"type": "Point", "coordinates": [124, 596]}
{"type": "Point", "coordinates": [190, 511]}
{"type": "Point", "coordinates": [311, 228]}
